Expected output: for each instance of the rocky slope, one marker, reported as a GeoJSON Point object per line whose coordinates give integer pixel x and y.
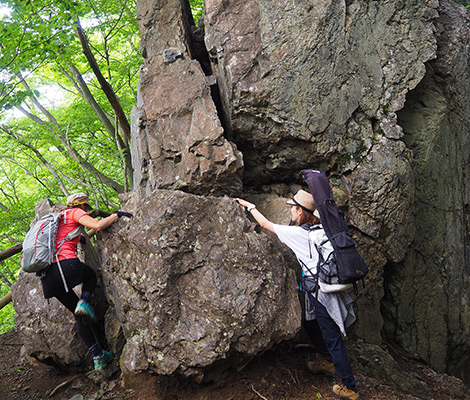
{"type": "Point", "coordinates": [277, 375]}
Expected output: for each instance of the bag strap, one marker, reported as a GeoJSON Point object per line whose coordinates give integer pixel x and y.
{"type": "Point", "coordinates": [333, 237]}
{"type": "Point", "coordinates": [309, 229]}
{"type": "Point", "coordinates": [71, 235]}
{"type": "Point", "coordinates": [62, 275]}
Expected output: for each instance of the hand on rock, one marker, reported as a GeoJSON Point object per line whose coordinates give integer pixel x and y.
{"type": "Point", "coordinates": [123, 214]}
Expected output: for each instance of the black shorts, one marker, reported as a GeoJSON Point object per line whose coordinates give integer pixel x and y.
{"type": "Point", "coordinates": [75, 273]}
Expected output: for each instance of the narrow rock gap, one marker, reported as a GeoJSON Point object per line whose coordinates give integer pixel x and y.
{"type": "Point", "coordinates": [198, 51]}
{"type": "Point", "coordinates": [388, 307]}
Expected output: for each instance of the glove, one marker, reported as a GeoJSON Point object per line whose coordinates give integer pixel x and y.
{"type": "Point", "coordinates": [123, 214]}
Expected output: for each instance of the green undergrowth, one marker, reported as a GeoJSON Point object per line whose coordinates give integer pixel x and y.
{"type": "Point", "coordinates": [7, 318]}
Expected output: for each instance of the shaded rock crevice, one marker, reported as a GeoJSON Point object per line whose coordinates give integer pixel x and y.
{"type": "Point", "coordinates": [427, 292]}
{"type": "Point", "coordinates": [197, 48]}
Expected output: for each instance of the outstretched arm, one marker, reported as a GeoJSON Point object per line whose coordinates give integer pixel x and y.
{"type": "Point", "coordinates": [95, 224]}
{"type": "Point", "coordinates": [260, 218]}
{"type": "Point", "coordinates": [99, 213]}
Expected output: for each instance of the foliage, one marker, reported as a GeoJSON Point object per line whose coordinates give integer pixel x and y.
{"type": "Point", "coordinates": [197, 9]}
{"type": "Point", "coordinates": [7, 318]}
{"type": "Point", "coordinates": [53, 140]}
{"type": "Point", "coordinates": [61, 146]}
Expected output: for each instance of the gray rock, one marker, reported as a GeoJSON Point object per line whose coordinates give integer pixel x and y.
{"type": "Point", "coordinates": [47, 328]}
{"type": "Point", "coordinates": [311, 84]}
{"type": "Point", "coordinates": [193, 285]}
{"type": "Point", "coordinates": [177, 139]}
{"type": "Point", "coordinates": [295, 74]}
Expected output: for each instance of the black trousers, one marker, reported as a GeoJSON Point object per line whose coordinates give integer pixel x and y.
{"type": "Point", "coordinates": [70, 300]}
{"type": "Point", "coordinates": [75, 273]}
{"type": "Point", "coordinates": [325, 335]}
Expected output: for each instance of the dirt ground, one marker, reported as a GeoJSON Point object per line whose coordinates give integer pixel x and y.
{"type": "Point", "coordinates": [279, 374]}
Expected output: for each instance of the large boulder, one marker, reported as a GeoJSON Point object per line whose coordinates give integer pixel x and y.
{"type": "Point", "coordinates": [296, 75]}
{"type": "Point", "coordinates": [46, 327]}
{"type": "Point", "coordinates": [195, 286]}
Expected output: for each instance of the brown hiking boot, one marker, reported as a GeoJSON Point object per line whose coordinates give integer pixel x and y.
{"type": "Point", "coordinates": [324, 367]}
{"type": "Point", "coordinates": [343, 392]}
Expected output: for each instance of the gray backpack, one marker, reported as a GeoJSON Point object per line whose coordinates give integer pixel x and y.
{"type": "Point", "coordinates": [39, 243]}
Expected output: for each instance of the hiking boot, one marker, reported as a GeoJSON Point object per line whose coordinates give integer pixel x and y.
{"type": "Point", "coordinates": [103, 360]}
{"type": "Point", "coordinates": [83, 309]}
{"type": "Point", "coordinates": [324, 367]}
{"type": "Point", "coordinates": [343, 392]}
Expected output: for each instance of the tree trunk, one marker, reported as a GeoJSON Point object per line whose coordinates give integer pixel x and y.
{"type": "Point", "coordinates": [83, 90]}
{"type": "Point", "coordinates": [71, 151]}
{"type": "Point", "coordinates": [107, 89]}
{"type": "Point", "coordinates": [5, 300]}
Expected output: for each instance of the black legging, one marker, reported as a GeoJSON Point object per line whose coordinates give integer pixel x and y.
{"type": "Point", "coordinates": [70, 301]}
{"type": "Point", "coordinates": [75, 273]}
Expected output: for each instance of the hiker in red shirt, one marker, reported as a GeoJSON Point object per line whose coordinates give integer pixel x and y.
{"type": "Point", "coordinates": [68, 271]}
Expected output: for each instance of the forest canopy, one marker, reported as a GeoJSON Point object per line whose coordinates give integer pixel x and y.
{"type": "Point", "coordinates": [68, 81]}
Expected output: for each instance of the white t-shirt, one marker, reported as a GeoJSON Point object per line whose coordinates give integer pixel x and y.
{"type": "Point", "coordinates": [338, 305]}
{"type": "Point", "coordinates": [297, 239]}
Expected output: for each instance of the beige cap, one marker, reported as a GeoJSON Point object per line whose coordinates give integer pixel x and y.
{"type": "Point", "coordinates": [78, 199]}
{"type": "Point", "coordinates": [304, 200]}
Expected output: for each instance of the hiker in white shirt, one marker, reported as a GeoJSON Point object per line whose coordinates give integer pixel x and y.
{"type": "Point", "coordinates": [328, 315]}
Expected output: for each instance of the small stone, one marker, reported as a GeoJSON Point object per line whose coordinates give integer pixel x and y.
{"type": "Point", "coordinates": [170, 55]}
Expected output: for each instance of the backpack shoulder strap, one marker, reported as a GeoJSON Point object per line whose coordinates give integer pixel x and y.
{"type": "Point", "coordinates": [63, 214]}
{"type": "Point", "coordinates": [311, 229]}
{"type": "Point", "coordinates": [72, 234]}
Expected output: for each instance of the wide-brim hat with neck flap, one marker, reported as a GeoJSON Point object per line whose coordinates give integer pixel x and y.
{"type": "Point", "coordinates": [78, 199]}
{"type": "Point", "coordinates": [305, 201]}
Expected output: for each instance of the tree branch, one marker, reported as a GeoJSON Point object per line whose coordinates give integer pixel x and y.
{"type": "Point", "coordinates": [105, 86]}
{"type": "Point", "coordinates": [83, 90]}
{"type": "Point", "coordinates": [88, 167]}
{"type": "Point", "coordinates": [55, 127]}
{"type": "Point", "coordinates": [40, 157]}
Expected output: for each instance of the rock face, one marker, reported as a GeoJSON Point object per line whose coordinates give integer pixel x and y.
{"type": "Point", "coordinates": [303, 84]}
{"type": "Point", "coordinates": [177, 139]}
{"type": "Point", "coordinates": [427, 292]}
{"type": "Point", "coordinates": [195, 286]}
{"type": "Point", "coordinates": [300, 84]}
